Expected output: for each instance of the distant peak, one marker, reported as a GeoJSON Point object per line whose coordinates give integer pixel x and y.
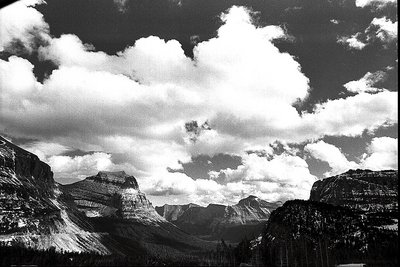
{"type": "Point", "coordinates": [117, 178]}
{"type": "Point", "coordinates": [107, 173]}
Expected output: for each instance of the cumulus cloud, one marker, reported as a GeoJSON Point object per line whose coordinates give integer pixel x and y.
{"type": "Point", "coordinates": [382, 154]}
{"type": "Point", "coordinates": [22, 26]}
{"type": "Point", "coordinates": [80, 167]}
{"type": "Point", "coordinates": [352, 115]}
{"type": "Point", "coordinates": [385, 29]}
{"type": "Point", "coordinates": [44, 150]}
{"type": "Point", "coordinates": [282, 176]}
{"type": "Point", "coordinates": [381, 30]}
{"type": "Point", "coordinates": [377, 3]}
{"type": "Point", "coordinates": [135, 106]}
{"type": "Point", "coordinates": [332, 155]}
{"type": "Point", "coordinates": [353, 41]}
{"type": "Point", "coordinates": [367, 82]}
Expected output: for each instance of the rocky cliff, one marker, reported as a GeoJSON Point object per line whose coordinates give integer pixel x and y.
{"type": "Point", "coordinates": [105, 213]}
{"type": "Point", "coordinates": [359, 189]}
{"type": "Point", "coordinates": [352, 217]}
{"type": "Point", "coordinates": [112, 194]}
{"type": "Point", "coordinates": [31, 210]}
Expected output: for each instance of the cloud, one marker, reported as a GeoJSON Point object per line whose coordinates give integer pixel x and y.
{"type": "Point", "coordinates": [366, 83]}
{"type": "Point", "coordinates": [135, 104]}
{"type": "Point", "coordinates": [121, 5]}
{"type": "Point", "coordinates": [80, 167]}
{"type": "Point", "coordinates": [22, 26]}
{"type": "Point", "coordinates": [44, 150]}
{"type": "Point", "coordinates": [377, 3]}
{"type": "Point", "coordinates": [353, 41]}
{"type": "Point", "coordinates": [352, 115]}
{"type": "Point", "coordinates": [382, 154]}
{"type": "Point", "coordinates": [332, 155]}
{"type": "Point", "coordinates": [381, 30]}
{"type": "Point", "coordinates": [281, 177]}
{"type": "Point", "coordinates": [385, 29]}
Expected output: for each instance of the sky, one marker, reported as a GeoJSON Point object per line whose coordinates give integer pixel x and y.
{"type": "Point", "coordinates": [203, 101]}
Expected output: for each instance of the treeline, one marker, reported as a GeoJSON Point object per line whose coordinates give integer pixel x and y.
{"type": "Point", "coordinates": [301, 251]}
{"type": "Point", "coordinates": [19, 256]}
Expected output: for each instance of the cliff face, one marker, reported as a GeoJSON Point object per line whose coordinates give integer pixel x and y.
{"type": "Point", "coordinates": [31, 211]}
{"type": "Point", "coordinates": [105, 213]}
{"type": "Point", "coordinates": [359, 189]}
{"type": "Point", "coordinates": [350, 217]}
{"type": "Point", "coordinates": [111, 194]}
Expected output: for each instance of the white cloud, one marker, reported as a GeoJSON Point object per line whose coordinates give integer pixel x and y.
{"type": "Point", "coordinates": [382, 154]}
{"type": "Point", "coordinates": [134, 106]}
{"type": "Point", "coordinates": [377, 3]}
{"type": "Point", "coordinates": [382, 30]}
{"type": "Point", "coordinates": [352, 115]}
{"type": "Point", "coordinates": [80, 167]}
{"type": "Point", "coordinates": [45, 149]}
{"type": "Point", "coordinates": [332, 155]}
{"type": "Point", "coordinates": [23, 23]}
{"type": "Point", "coordinates": [352, 42]}
{"type": "Point", "coordinates": [280, 178]}
{"type": "Point", "coordinates": [121, 5]}
{"type": "Point", "coordinates": [366, 83]}
{"type": "Point", "coordinates": [386, 29]}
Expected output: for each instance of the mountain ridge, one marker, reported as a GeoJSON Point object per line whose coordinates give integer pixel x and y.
{"type": "Point", "coordinates": [216, 221]}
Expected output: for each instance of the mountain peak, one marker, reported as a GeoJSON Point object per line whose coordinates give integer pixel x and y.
{"type": "Point", "coordinates": [117, 178]}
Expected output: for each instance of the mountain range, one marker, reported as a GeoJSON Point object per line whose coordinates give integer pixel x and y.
{"type": "Point", "coordinates": [350, 217]}
{"type": "Point", "coordinates": [215, 222]}
{"type": "Point", "coordinates": [105, 214]}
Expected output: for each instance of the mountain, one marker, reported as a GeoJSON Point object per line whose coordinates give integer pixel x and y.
{"type": "Point", "coordinates": [112, 194]}
{"type": "Point", "coordinates": [31, 211]}
{"type": "Point", "coordinates": [232, 223]}
{"type": "Point", "coordinates": [172, 212]}
{"type": "Point", "coordinates": [352, 217]}
{"type": "Point", "coordinates": [359, 189]}
{"type": "Point", "coordinates": [105, 213]}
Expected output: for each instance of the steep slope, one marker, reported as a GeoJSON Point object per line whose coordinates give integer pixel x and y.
{"type": "Point", "coordinates": [112, 194]}
{"type": "Point", "coordinates": [31, 212]}
{"type": "Point", "coordinates": [359, 189]}
{"type": "Point", "coordinates": [313, 233]}
{"type": "Point", "coordinates": [113, 203]}
{"type": "Point", "coordinates": [105, 213]}
{"type": "Point", "coordinates": [172, 212]}
{"type": "Point", "coordinates": [231, 223]}
{"type": "Point", "coordinates": [350, 217]}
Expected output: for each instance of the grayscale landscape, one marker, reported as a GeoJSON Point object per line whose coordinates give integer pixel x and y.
{"type": "Point", "coordinates": [199, 133]}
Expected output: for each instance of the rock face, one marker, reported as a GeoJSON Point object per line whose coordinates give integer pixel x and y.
{"type": "Point", "coordinates": [214, 222]}
{"type": "Point", "coordinates": [105, 213]}
{"type": "Point", "coordinates": [359, 189]}
{"type": "Point", "coordinates": [111, 194]}
{"type": "Point", "coordinates": [350, 217]}
{"type": "Point", "coordinates": [31, 211]}
{"type": "Point", "coordinates": [172, 212]}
